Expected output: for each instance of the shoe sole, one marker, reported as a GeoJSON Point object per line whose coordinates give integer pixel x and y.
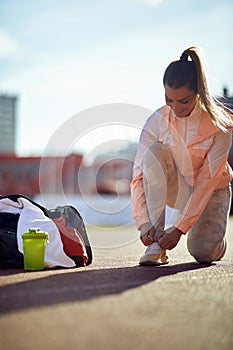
{"type": "Point", "coordinates": [149, 263]}
{"type": "Point", "coordinates": [154, 259]}
{"type": "Point", "coordinates": [153, 263]}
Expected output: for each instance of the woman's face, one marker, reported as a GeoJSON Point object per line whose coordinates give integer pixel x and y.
{"type": "Point", "coordinates": [181, 100]}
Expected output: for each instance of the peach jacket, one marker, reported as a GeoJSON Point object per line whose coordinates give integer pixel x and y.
{"type": "Point", "coordinates": [200, 151]}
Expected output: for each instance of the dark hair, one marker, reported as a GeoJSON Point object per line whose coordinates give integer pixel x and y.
{"type": "Point", "coordinates": [181, 73]}
{"type": "Point", "coordinates": [191, 74]}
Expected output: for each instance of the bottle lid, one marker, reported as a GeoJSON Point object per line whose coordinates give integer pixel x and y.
{"type": "Point", "coordinates": [35, 233]}
{"type": "Point", "coordinates": [34, 230]}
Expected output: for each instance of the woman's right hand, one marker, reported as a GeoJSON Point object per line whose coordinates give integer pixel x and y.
{"type": "Point", "coordinates": [147, 233]}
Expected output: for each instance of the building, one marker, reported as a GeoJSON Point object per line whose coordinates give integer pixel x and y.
{"type": "Point", "coordinates": [226, 98]}
{"type": "Point", "coordinates": [228, 102]}
{"type": "Point", "coordinates": [8, 107]}
{"type": "Point", "coordinates": [113, 169]}
{"type": "Point", "coordinates": [31, 176]}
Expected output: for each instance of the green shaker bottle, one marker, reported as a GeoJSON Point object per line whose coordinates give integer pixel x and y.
{"type": "Point", "coordinates": [34, 243]}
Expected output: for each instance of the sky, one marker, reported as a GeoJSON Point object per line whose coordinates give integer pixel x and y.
{"type": "Point", "coordinates": [63, 57]}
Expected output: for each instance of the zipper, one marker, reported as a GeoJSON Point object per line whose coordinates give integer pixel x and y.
{"type": "Point", "coordinates": [184, 144]}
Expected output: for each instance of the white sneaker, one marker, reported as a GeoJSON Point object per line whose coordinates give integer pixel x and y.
{"type": "Point", "coordinates": [153, 248]}
{"type": "Point", "coordinates": [154, 255]}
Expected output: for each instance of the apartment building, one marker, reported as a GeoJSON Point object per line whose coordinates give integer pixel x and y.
{"type": "Point", "coordinates": [8, 107]}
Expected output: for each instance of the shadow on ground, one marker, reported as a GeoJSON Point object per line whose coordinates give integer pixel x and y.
{"type": "Point", "coordinates": [80, 285]}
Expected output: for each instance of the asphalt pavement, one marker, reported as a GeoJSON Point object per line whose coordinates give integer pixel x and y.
{"type": "Point", "coordinates": [117, 304]}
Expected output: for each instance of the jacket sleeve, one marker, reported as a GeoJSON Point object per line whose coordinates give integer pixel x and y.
{"type": "Point", "coordinates": [208, 178]}
{"type": "Point", "coordinates": [139, 207]}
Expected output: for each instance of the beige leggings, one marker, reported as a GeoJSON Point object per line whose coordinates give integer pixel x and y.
{"type": "Point", "coordinates": [164, 185]}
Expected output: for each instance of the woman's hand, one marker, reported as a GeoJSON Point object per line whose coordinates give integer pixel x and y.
{"type": "Point", "coordinates": [170, 238]}
{"type": "Point", "coordinates": [147, 233]}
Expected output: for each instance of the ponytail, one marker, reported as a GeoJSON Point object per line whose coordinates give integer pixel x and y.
{"type": "Point", "coordinates": [191, 73]}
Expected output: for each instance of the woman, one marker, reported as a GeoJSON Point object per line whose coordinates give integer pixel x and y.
{"type": "Point", "coordinates": [182, 162]}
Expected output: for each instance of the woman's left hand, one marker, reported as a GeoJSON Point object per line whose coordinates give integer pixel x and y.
{"type": "Point", "coordinates": [170, 238]}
